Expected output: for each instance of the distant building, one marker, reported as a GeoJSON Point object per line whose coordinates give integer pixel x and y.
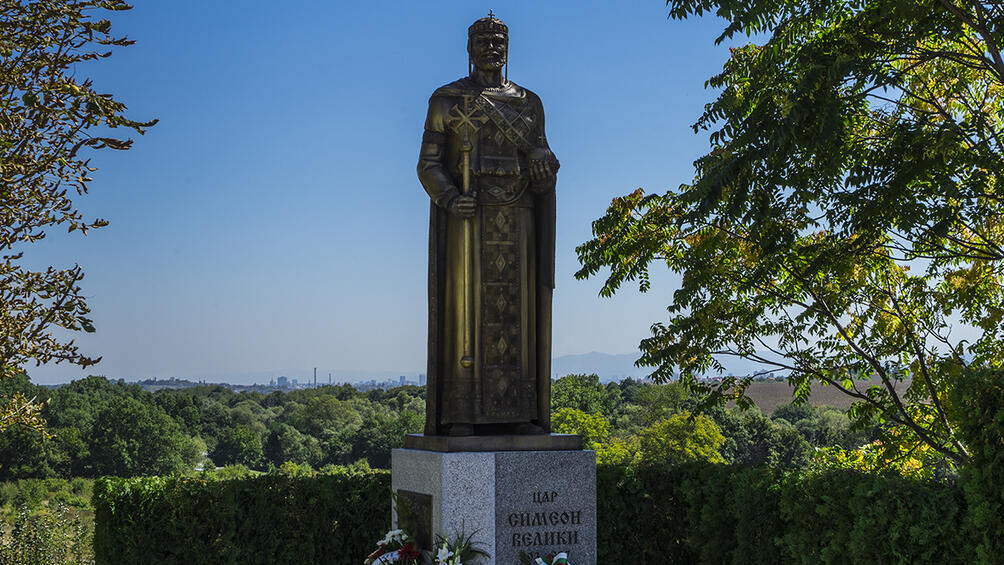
{"type": "Point", "coordinates": [403, 381]}
{"type": "Point", "coordinates": [421, 379]}
{"type": "Point", "coordinates": [283, 382]}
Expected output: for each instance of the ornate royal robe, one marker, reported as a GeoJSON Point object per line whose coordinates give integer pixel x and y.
{"type": "Point", "coordinates": [511, 263]}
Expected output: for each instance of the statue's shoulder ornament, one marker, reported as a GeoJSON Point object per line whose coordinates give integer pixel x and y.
{"type": "Point", "coordinates": [467, 87]}
{"type": "Point", "coordinates": [459, 87]}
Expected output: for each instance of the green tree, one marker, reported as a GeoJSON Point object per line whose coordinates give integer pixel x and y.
{"type": "Point", "coordinates": [239, 445]}
{"type": "Point", "coordinates": [682, 437]}
{"type": "Point", "coordinates": [131, 438]}
{"type": "Point", "coordinates": [285, 443]}
{"type": "Point", "coordinates": [658, 402]}
{"type": "Point", "coordinates": [593, 428]}
{"type": "Point", "coordinates": [383, 431]}
{"type": "Point", "coordinates": [323, 415]}
{"type": "Point", "coordinates": [846, 216]}
{"type": "Point", "coordinates": [46, 112]}
{"type": "Point", "coordinates": [753, 439]}
{"type": "Point", "coordinates": [585, 393]}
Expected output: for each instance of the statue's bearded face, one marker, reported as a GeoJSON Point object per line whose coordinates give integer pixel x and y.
{"type": "Point", "coordinates": [489, 51]}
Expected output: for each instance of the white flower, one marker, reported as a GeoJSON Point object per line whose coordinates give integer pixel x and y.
{"type": "Point", "coordinates": [443, 554]}
{"type": "Point", "coordinates": [392, 536]}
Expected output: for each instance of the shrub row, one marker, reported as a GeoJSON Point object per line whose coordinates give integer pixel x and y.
{"type": "Point", "coordinates": [714, 514]}
{"type": "Point", "coordinates": [696, 513]}
{"type": "Point", "coordinates": [270, 519]}
{"type": "Point", "coordinates": [978, 406]}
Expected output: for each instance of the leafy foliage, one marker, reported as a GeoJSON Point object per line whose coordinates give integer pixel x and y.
{"type": "Point", "coordinates": [46, 113]}
{"type": "Point", "coordinates": [96, 427]}
{"type": "Point", "coordinates": [978, 401]}
{"type": "Point", "coordinates": [240, 445]}
{"type": "Point", "coordinates": [711, 514]}
{"type": "Point", "coordinates": [846, 216]}
{"type": "Point", "coordinates": [585, 393]}
{"type": "Point", "coordinates": [753, 439]}
{"type": "Point", "coordinates": [135, 438]}
{"type": "Point", "coordinates": [592, 427]}
{"type": "Point", "coordinates": [695, 511]}
{"type": "Point", "coordinates": [682, 437]}
{"type": "Point", "coordinates": [276, 519]}
{"type": "Point", "coordinates": [48, 538]}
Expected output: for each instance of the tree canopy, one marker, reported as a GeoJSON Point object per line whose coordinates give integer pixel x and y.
{"type": "Point", "coordinates": [46, 114]}
{"type": "Point", "coordinates": [845, 225]}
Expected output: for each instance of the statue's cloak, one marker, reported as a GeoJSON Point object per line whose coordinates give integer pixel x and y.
{"type": "Point", "coordinates": [545, 215]}
{"type": "Point", "coordinates": [512, 262]}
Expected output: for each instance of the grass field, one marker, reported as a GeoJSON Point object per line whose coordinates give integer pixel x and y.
{"type": "Point", "coordinates": [768, 395]}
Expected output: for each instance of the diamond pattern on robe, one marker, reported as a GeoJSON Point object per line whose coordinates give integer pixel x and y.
{"type": "Point", "coordinates": [499, 138]}
{"type": "Point", "coordinates": [501, 345]}
{"type": "Point", "coordinates": [501, 303]}
{"type": "Point", "coordinates": [500, 221]}
{"type": "Point", "coordinates": [500, 262]}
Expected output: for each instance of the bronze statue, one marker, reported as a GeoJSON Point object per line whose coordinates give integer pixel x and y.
{"type": "Point", "coordinates": [486, 165]}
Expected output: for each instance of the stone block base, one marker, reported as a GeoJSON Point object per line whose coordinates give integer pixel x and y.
{"type": "Point", "coordinates": [538, 502]}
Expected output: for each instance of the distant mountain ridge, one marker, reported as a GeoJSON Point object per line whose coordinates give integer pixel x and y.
{"type": "Point", "coordinates": [615, 367]}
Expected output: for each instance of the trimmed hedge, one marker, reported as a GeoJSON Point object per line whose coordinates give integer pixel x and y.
{"type": "Point", "coordinates": [978, 404]}
{"type": "Point", "coordinates": [270, 519]}
{"type": "Point", "coordinates": [713, 514]}
{"type": "Point", "coordinates": [697, 513]}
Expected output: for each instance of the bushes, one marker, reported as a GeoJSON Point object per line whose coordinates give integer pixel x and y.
{"type": "Point", "coordinates": [32, 494]}
{"type": "Point", "coordinates": [45, 538]}
{"type": "Point", "coordinates": [691, 513]}
{"type": "Point", "coordinates": [715, 514]}
{"type": "Point", "coordinates": [978, 407]}
{"type": "Point", "coordinates": [269, 519]}
{"type": "Point", "coordinates": [642, 515]}
{"type": "Point", "coordinates": [842, 517]}
{"type": "Point", "coordinates": [702, 513]}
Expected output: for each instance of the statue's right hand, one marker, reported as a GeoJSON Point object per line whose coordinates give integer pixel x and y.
{"type": "Point", "coordinates": [462, 206]}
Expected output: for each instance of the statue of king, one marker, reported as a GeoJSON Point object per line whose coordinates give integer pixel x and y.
{"type": "Point", "coordinates": [487, 168]}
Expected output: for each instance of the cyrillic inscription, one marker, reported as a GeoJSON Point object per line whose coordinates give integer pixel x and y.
{"type": "Point", "coordinates": [554, 528]}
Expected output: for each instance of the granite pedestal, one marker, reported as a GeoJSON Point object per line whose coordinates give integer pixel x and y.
{"type": "Point", "coordinates": [538, 502]}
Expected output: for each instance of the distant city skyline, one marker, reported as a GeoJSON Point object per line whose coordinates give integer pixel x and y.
{"type": "Point", "coordinates": [608, 367]}
{"type": "Point", "coordinates": [273, 219]}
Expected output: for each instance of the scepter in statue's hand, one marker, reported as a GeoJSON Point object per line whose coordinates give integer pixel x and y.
{"type": "Point", "coordinates": [463, 206]}
{"type": "Point", "coordinates": [467, 356]}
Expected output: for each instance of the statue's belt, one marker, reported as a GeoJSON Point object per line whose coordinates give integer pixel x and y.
{"type": "Point", "coordinates": [501, 191]}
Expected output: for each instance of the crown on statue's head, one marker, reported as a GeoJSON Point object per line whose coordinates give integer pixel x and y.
{"type": "Point", "coordinates": [489, 24]}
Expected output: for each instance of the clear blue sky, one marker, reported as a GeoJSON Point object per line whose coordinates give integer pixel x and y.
{"type": "Point", "coordinates": [272, 222]}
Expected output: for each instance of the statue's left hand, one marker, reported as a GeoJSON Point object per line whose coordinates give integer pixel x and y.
{"type": "Point", "coordinates": [543, 165]}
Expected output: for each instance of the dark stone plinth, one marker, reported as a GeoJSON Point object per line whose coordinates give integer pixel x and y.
{"type": "Point", "coordinates": [531, 442]}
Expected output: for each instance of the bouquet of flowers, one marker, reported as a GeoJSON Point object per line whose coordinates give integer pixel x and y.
{"type": "Point", "coordinates": [395, 547]}
{"type": "Point", "coordinates": [460, 551]}
{"type": "Point", "coordinates": [549, 559]}
{"type": "Point", "coordinates": [398, 547]}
